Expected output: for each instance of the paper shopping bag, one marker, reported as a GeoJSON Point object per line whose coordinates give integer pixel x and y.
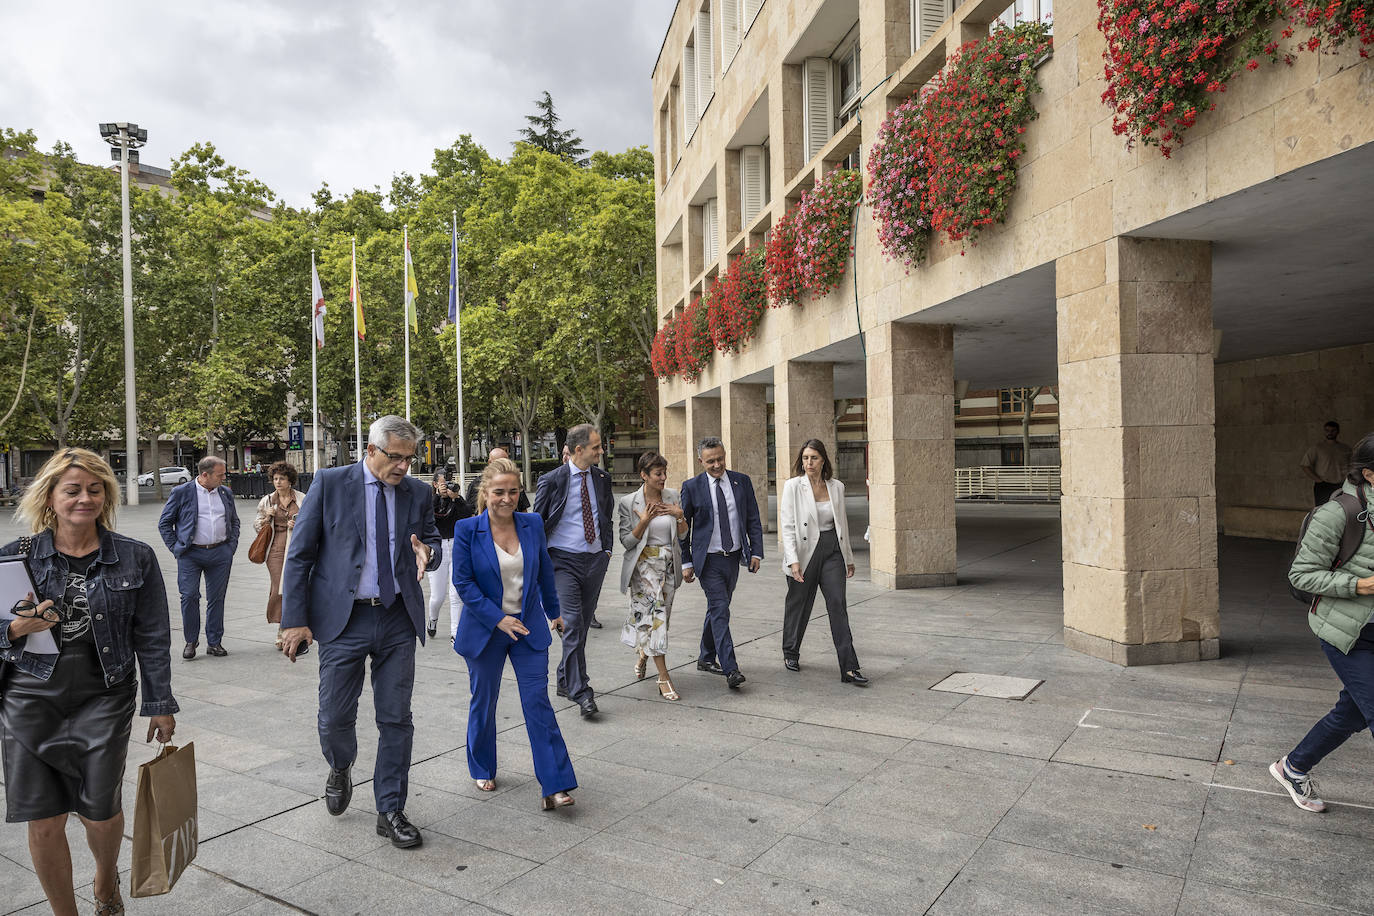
{"type": "Point", "coordinates": [165, 830]}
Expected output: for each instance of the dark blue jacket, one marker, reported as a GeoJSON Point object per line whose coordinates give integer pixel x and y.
{"type": "Point", "coordinates": [178, 521]}
{"type": "Point", "coordinates": [128, 607]}
{"type": "Point", "coordinates": [477, 578]}
{"type": "Point", "coordinates": [325, 559]}
{"type": "Point", "coordinates": [699, 508]}
{"type": "Point", "coordinates": [551, 498]}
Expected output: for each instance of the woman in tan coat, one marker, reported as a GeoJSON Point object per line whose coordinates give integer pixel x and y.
{"type": "Point", "coordinates": [278, 509]}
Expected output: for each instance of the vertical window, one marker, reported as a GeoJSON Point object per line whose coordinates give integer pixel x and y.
{"type": "Point", "coordinates": [1027, 11]}
{"type": "Point", "coordinates": [818, 98]}
{"type": "Point", "coordinates": [710, 233]}
{"type": "Point", "coordinates": [926, 18]}
{"type": "Point", "coordinates": [730, 12]}
{"type": "Point", "coordinates": [1012, 400]}
{"type": "Point", "coordinates": [706, 63]}
{"type": "Point", "coordinates": [752, 183]}
{"type": "Point", "coordinates": [847, 78]}
{"type": "Point", "coordinates": [689, 92]}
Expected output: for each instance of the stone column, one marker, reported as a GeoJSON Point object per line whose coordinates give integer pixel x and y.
{"type": "Point", "coordinates": [804, 408]}
{"type": "Point", "coordinates": [703, 419]}
{"type": "Point", "coordinates": [911, 455]}
{"type": "Point", "coordinates": [672, 443]}
{"type": "Point", "coordinates": [744, 427]}
{"type": "Point", "coordinates": [1136, 418]}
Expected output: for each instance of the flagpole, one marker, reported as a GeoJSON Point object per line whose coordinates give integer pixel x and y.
{"type": "Point", "coordinates": [458, 352]}
{"type": "Point", "coordinates": [314, 374]}
{"type": "Point", "coordinates": [405, 297]}
{"type": "Point", "coordinates": [357, 379]}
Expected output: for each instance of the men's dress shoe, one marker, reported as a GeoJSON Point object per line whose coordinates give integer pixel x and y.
{"type": "Point", "coordinates": [791, 664]}
{"type": "Point", "coordinates": [734, 679]}
{"type": "Point", "coordinates": [338, 790]}
{"type": "Point", "coordinates": [431, 631]}
{"type": "Point", "coordinates": [855, 678]}
{"type": "Point", "coordinates": [403, 833]}
{"type": "Point", "coordinates": [594, 624]}
{"type": "Point", "coordinates": [711, 667]}
{"type": "Point", "coordinates": [216, 651]}
{"type": "Point", "coordinates": [190, 650]}
{"type": "Point", "coordinates": [588, 707]}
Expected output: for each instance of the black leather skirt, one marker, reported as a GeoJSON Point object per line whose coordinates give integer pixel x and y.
{"type": "Point", "coordinates": [65, 739]}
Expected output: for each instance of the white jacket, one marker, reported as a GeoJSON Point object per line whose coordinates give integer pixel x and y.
{"type": "Point", "coordinates": [628, 508]}
{"type": "Point", "coordinates": [800, 527]}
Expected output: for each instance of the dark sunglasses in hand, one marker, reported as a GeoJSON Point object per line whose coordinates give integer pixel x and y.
{"type": "Point", "coordinates": [27, 608]}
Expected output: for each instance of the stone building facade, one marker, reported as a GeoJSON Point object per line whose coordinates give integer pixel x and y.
{"type": "Point", "coordinates": [1198, 317]}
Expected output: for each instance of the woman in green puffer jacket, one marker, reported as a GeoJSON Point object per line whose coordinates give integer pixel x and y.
{"type": "Point", "coordinates": [1341, 619]}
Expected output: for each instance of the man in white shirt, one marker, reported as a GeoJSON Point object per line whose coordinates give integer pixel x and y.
{"type": "Point", "coordinates": [200, 526]}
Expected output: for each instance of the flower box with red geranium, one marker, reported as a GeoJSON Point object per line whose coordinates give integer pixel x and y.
{"type": "Point", "coordinates": [945, 160]}
{"type": "Point", "coordinates": [663, 350]}
{"type": "Point", "coordinates": [808, 249]}
{"type": "Point", "coordinates": [737, 302]}
{"type": "Point", "coordinates": [692, 341]}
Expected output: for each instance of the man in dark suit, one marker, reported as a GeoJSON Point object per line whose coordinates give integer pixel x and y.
{"type": "Point", "coordinates": [724, 533]}
{"type": "Point", "coordinates": [522, 506]}
{"type": "Point", "coordinates": [364, 538]}
{"type": "Point", "coordinates": [200, 526]}
{"type": "Point", "coordinates": [576, 504]}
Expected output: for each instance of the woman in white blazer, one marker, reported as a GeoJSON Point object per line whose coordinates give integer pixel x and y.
{"type": "Point", "coordinates": [816, 554]}
{"type": "Point", "coordinates": [651, 521]}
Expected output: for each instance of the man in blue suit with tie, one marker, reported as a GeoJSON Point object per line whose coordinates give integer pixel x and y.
{"type": "Point", "coordinates": [724, 533]}
{"type": "Point", "coordinates": [364, 538]}
{"type": "Point", "coordinates": [576, 504]}
{"type": "Point", "coordinates": [200, 526]}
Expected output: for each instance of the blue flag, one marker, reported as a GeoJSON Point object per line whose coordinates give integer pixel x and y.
{"type": "Point", "coordinates": [453, 279]}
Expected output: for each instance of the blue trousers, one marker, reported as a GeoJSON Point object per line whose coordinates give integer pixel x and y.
{"type": "Point", "coordinates": [214, 564]}
{"type": "Point", "coordinates": [578, 578]}
{"type": "Point", "coordinates": [552, 767]}
{"type": "Point", "coordinates": [1353, 711]}
{"type": "Point", "coordinates": [718, 577]}
{"type": "Point", "coordinates": [387, 637]}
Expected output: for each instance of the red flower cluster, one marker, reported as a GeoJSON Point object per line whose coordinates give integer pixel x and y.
{"type": "Point", "coordinates": [736, 302]}
{"type": "Point", "coordinates": [1165, 59]}
{"type": "Point", "coordinates": [663, 351]}
{"type": "Point", "coordinates": [809, 248]}
{"type": "Point", "coordinates": [1333, 23]}
{"type": "Point", "coordinates": [945, 160]}
{"type": "Point", "coordinates": [692, 341]}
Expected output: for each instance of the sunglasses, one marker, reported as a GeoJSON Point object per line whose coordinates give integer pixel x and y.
{"type": "Point", "coordinates": [26, 608]}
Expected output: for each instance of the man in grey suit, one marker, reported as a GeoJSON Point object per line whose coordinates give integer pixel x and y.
{"type": "Point", "coordinates": [364, 538]}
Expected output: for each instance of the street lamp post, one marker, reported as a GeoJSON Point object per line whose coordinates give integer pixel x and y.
{"type": "Point", "coordinates": [126, 138]}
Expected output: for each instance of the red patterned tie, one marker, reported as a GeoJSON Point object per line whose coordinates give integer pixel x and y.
{"type": "Point", "coordinates": [588, 522]}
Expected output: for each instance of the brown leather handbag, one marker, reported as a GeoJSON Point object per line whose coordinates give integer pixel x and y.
{"type": "Point", "coordinates": [257, 551]}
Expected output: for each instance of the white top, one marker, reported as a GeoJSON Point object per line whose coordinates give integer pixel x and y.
{"type": "Point", "coordinates": [715, 546]}
{"type": "Point", "coordinates": [512, 579]}
{"type": "Point", "coordinates": [661, 531]}
{"type": "Point", "coordinates": [210, 523]}
{"type": "Point", "coordinates": [825, 515]}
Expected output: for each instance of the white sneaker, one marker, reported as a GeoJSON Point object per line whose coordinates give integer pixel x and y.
{"type": "Point", "coordinates": [1301, 788]}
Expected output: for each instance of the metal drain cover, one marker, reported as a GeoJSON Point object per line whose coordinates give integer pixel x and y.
{"type": "Point", "coordinates": [988, 685]}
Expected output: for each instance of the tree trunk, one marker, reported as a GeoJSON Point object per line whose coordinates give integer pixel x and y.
{"type": "Point", "coordinates": [1026, 409]}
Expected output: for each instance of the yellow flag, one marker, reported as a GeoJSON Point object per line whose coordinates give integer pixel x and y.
{"type": "Point", "coordinates": [412, 293]}
{"type": "Point", "coordinates": [356, 297]}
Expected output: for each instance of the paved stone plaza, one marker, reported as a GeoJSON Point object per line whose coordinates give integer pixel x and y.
{"type": "Point", "coordinates": [1106, 790]}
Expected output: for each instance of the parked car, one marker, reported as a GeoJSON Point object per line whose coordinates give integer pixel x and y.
{"type": "Point", "coordinates": [169, 475]}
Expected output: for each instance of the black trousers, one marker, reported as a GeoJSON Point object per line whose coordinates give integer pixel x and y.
{"type": "Point", "coordinates": [825, 571]}
{"type": "Point", "coordinates": [1323, 491]}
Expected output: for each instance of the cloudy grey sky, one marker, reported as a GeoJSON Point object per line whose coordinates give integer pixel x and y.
{"type": "Point", "coordinates": [301, 91]}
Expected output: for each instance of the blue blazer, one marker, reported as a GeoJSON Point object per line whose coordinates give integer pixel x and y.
{"type": "Point", "coordinates": [325, 558]}
{"type": "Point", "coordinates": [178, 521]}
{"type": "Point", "coordinates": [551, 498]}
{"type": "Point", "coordinates": [699, 508]}
{"type": "Point", "coordinates": [477, 578]}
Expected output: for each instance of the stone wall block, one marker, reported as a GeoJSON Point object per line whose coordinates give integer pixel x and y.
{"type": "Point", "coordinates": [925, 550]}
{"type": "Point", "coordinates": [1307, 128]}
{"type": "Point", "coordinates": [1096, 602]}
{"type": "Point", "coordinates": [1241, 154]}
{"type": "Point", "coordinates": [1082, 270]}
{"type": "Point", "coordinates": [1086, 393]}
{"type": "Point", "coordinates": [1097, 462]}
{"type": "Point", "coordinates": [1165, 389]}
{"type": "Point", "coordinates": [1089, 323]}
{"type": "Point", "coordinates": [1093, 531]}
{"type": "Point", "coordinates": [1160, 595]}
{"type": "Point", "coordinates": [925, 416]}
{"type": "Point", "coordinates": [1172, 317]}
{"type": "Point", "coordinates": [1170, 461]}
{"type": "Point", "coordinates": [1165, 533]}
{"type": "Point", "coordinates": [1166, 260]}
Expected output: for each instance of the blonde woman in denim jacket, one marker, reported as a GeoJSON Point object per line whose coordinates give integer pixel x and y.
{"type": "Point", "coordinates": [67, 717]}
{"type": "Point", "coordinates": [1341, 619]}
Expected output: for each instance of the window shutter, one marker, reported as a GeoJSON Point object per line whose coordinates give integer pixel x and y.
{"type": "Point", "coordinates": [818, 104]}
{"type": "Point", "coordinates": [752, 194]}
{"type": "Point", "coordinates": [710, 230]}
{"type": "Point", "coordinates": [689, 92]}
{"type": "Point", "coordinates": [751, 10]}
{"type": "Point", "coordinates": [729, 27]}
{"type": "Point", "coordinates": [706, 63]}
{"type": "Point", "coordinates": [930, 16]}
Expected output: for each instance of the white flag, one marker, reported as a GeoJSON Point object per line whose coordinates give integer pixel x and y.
{"type": "Point", "coordinates": [318, 295]}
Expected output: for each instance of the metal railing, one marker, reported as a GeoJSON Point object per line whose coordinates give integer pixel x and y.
{"type": "Point", "coordinates": [1039, 484]}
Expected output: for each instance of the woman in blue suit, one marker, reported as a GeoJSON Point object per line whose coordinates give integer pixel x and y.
{"type": "Point", "coordinates": [504, 577]}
